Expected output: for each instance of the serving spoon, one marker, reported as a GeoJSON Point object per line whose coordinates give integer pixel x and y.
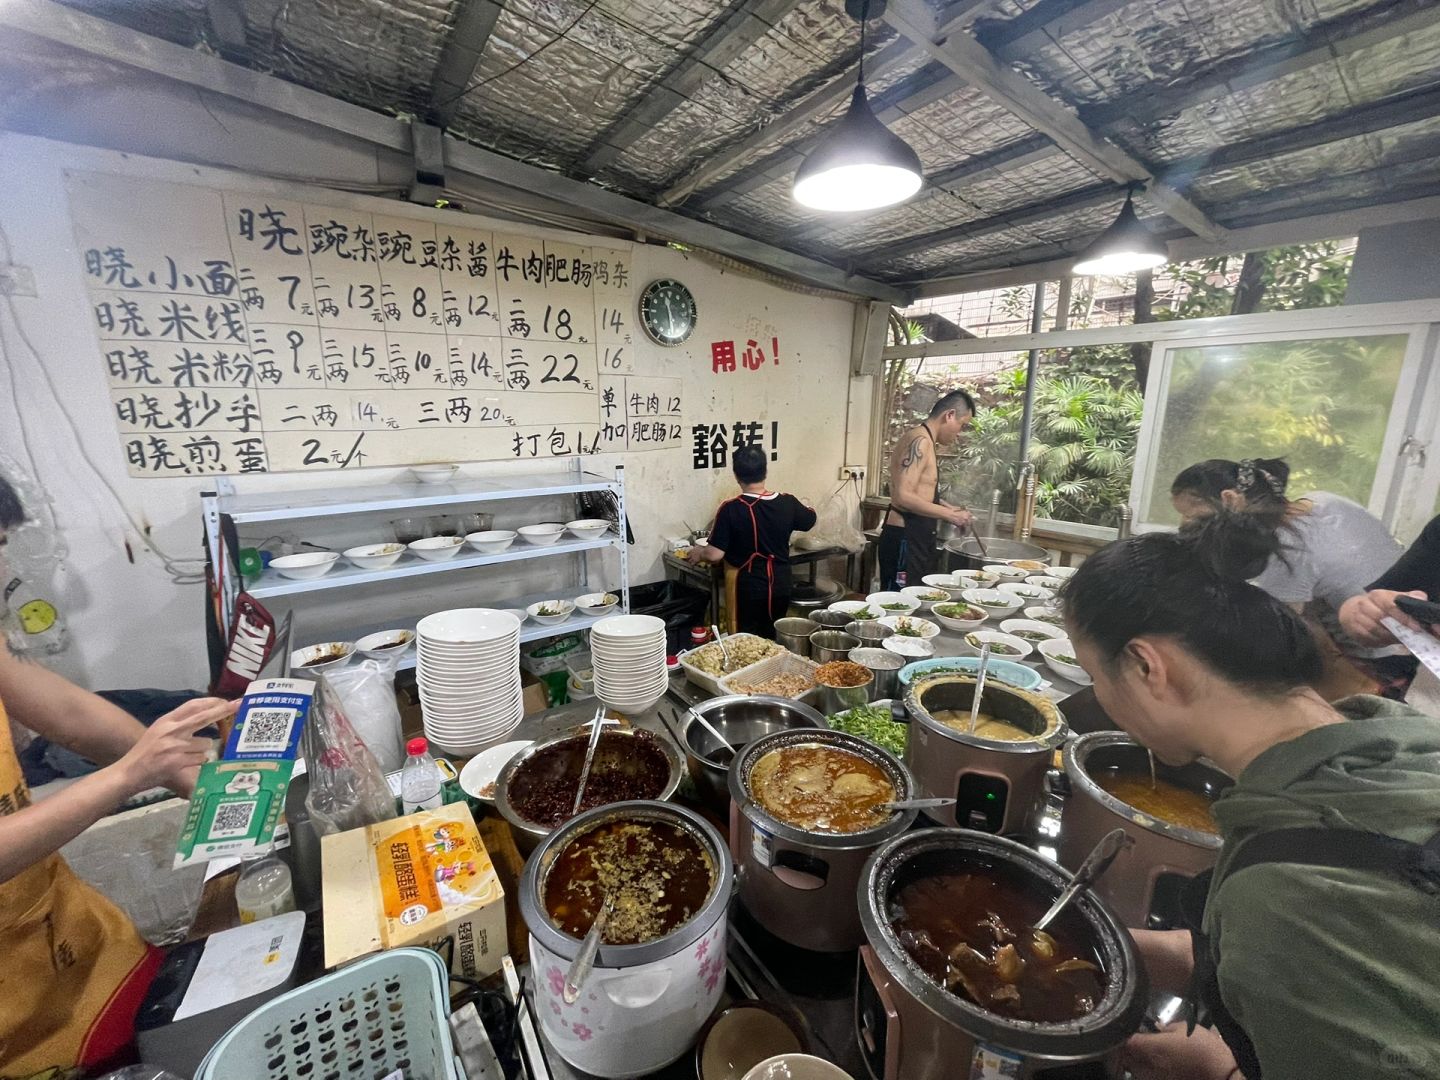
{"type": "Point", "coordinates": [597, 725]}
{"type": "Point", "coordinates": [1095, 864]}
{"type": "Point", "coordinates": [584, 960]}
{"type": "Point", "coordinates": [911, 804]}
{"type": "Point", "coordinates": [979, 685]}
{"type": "Point", "coordinates": [724, 649]}
{"type": "Point", "coordinates": [725, 746]}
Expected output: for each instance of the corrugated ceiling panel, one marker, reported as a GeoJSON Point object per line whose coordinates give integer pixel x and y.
{"type": "Point", "coordinates": [374, 52]}
{"type": "Point", "coordinates": [959, 127]}
{"type": "Point", "coordinates": [180, 21]}
{"type": "Point", "coordinates": [896, 224]}
{"type": "Point", "coordinates": [1390, 67]}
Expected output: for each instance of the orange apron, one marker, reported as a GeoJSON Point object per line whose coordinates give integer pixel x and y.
{"type": "Point", "coordinates": [73, 969]}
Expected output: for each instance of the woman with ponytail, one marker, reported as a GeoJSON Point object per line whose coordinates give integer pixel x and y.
{"type": "Point", "coordinates": [1329, 549]}
{"type": "Point", "coordinates": [1314, 944]}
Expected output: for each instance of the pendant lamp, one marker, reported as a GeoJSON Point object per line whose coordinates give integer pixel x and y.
{"type": "Point", "coordinates": [1123, 248]}
{"type": "Point", "coordinates": [859, 164]}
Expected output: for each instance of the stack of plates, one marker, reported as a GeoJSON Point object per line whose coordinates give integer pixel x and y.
{"type": "Point", "coordinates": [627, 654]}
{"type": "Point", "coordinates": [467, 666]}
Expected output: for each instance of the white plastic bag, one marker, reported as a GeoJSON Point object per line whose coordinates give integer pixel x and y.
{"type": "Point", "coordinates": [837, 522]}
{"type": "Point", "coordinates": [347, 788]}
{"type": "Point", "coordinates": [367, 694]}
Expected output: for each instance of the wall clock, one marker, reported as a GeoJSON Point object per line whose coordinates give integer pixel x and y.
{"type": "Point", "coordinates": [667, 312]}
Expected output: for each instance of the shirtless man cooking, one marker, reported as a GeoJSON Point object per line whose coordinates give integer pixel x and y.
{"type": "Point", "coordinates": [907, 541]}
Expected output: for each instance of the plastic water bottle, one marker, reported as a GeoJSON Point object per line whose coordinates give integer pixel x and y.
{"type": "Point", "coordinates": [420, 780]}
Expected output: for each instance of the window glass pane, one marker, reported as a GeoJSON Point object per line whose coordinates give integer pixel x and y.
{"type": "Point", "coordinates": [1321, 404]}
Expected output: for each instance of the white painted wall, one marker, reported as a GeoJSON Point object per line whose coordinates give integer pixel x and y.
{"type": "Point", "coordinates": [130, 624]}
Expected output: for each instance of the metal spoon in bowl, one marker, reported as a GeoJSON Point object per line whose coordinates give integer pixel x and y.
{"type": "Point", "coordinates": [724, 649]}
{"type": "Point", "coordinates": [597, 725]}
{"type": "Point", "coordinates": [723, 762]}
{"type": "Point", "coordinates": [979, 685]}
{"type": "Point", "coordinates": [1095, 864]}
{"type": "Point", "coordinates": [585, 959]}
{"type": "Point", "coordinates": [911, 804]}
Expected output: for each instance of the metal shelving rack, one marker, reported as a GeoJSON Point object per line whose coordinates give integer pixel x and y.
{"type": "Point", "coordinates": [289, 506]}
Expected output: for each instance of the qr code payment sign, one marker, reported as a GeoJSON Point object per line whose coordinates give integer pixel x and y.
{"type": "Point", "coordinates": [266, 731]}
{"type": "Point", "coordinates": [232, 819]}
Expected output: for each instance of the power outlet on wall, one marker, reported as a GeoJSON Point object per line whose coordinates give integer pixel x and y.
{"type": "Point", "coordinates": [856, 472]}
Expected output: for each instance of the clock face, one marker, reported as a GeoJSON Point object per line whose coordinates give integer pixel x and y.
{"type": "Point", "coordinates": [667, 311]}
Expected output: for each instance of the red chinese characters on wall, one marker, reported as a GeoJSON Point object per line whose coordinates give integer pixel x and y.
{"type": "Point", "coordinates": [723, 356]}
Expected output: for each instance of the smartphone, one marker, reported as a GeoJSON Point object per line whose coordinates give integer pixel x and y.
{"type": "Point", "coordinates": [1425, 611]}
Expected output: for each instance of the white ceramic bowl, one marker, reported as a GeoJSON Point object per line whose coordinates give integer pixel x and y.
{"type": "Point", "coordinates": [433, 474]}
{"type": "Point", "coordinates": [313, 658]}
{"type": "Point", "coordinates": [920, 593]}
{"type": "Point", "coordinates": [975, 579]}
{"type": "Point", "coordinates": [375, 556]}
{"type": "Point", "coordinates": [481, 772]}
{"type": "Point", "coordinates": [566, 609]}
{"type": "Point", "coordinates": [963, 626]}
{"type": "Point", "coordinates": [1006, 572]}
{"type": "Point", "coordinates": [910, 647]}
{"type": "Point", "coordinates": [927, 628]}
{"type": "Point", "coordinates": [306, 565]}
{"type": "Point", "coordinates": [796, 1067]}
{"type": "Point", "coordinates": [1043, 630]}
{"type": "Point", "coordinates": [596, 603]}
{"type": "Point", "coordinates": [469, 626]}
{"type": "Point", "coordinates": [949, 582]}
{"type": "Point", "coordinates": [993, 600]}
{"type": "Point", "coordinates": [541, 535]}
{"type": "Point", "coordinates": [386, 643]}
{"type": "Point", "coordinates": [1046, 581]}
{"type": "Point", "coordinates": [1030, 566]}
{"type": "Point", "coordinates": [492, 542]}
{"type": "Point", "coordinates": [850, 607]}
{"type": "Point", "coordinates": [644, 627]}
{"type": "Point", "coordinates": [1054, 648]}
{"type": "Point", "coordinates": [878, 600]}
{"type": "Point", "coordinates": [588, 528]}
{"type": "Point", "coordinates": [437, 548]}
{"type": "Point", "coordinates": [1064, 573]}
{"type": "Point", "coordinates": [1031, 594]}
{"type": "Point", "coordinates": [970, 643]}
{"type": "Point", "coordinates": [1046, 614]}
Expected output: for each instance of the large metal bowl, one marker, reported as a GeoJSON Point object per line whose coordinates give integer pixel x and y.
{"type": "Point", "coordinates": [965, 553]}
{"type": "Point", "coordinates": [608, 754]}
{"type": "Point", "coordinates": [741, 719]}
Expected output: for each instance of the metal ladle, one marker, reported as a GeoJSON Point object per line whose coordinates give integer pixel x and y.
{"type": "Point", "coordinates": [584, 960]}
{"type": "Point", "coordinates": [597, 725]}
{"type": "Point", "coordinates": [724, 742]}
{"type": "Point", "coordinates": [979, 685]}
{"type": "Point", "coordinates": [1095, 864]}
{"type": "Point", "coordinates": [911, 804]}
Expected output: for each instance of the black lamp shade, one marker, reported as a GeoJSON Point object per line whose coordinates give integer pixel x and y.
{"type": "Point", "coordinates": [860, 164]}
{"type": "Point", "coordinates": [1123, 248]}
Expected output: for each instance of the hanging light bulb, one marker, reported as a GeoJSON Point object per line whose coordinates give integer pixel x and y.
{"type": "Point", "coordinates": [1123, 248]}
{"type": "Point", "coordinates": [860, 164]}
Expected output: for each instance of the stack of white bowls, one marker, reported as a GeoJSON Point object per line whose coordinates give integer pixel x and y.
{"type": "Point", "coordinates": [627, 654]}
{"type": "Point", "coordinates": [467, 666]}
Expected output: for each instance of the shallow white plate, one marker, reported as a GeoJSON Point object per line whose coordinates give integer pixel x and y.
{"type": "Point", "coordinates": [480, 774]}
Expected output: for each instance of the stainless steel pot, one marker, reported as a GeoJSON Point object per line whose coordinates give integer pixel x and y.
{"type": "Point", "coordinates": [886, 666]}
{"type": "Point", "coordinates": [807, 597]}
{"type": "Point", "coordinates": [647, 1001]}
{"type": "Point", "coordinates": [794, 634]}
{"type": "Point", "coordinates": [1000, 785]}
{"type": "Point", "coordinates": [741, 719]}
{"type": "Point", "coordinates": [827, 645]}
{"type": "Point", "coordinates": [833, 699]}
{"type": "Point", "coordinates": [964, 553]}
{"type": "Point", "coordinates": [830, 620]}
{"type": "Point", "coordinates": [908, 1026]}
{"type": "Point", "coordinates": [869, 632]}
{"type": "Point", "coordinates": [1144, 883]}
{"type": "Point", "coordinates": [610, 753]}
{"type": "Point", "coordinates": [800, 885]}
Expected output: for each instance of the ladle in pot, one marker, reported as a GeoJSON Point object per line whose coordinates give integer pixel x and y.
{"type": "Point", "coordinates": [722, 761]}
{"type": "Point", "coordinates": [979, 685]}
{"type": "Point", "coordinates": [1095, 864]}
{"type": "Point", "coordinates": [597, 725]}
{"type": "Point", "coordinates": [911, 804]}
{"type": "Point", "coordinates": [584, 960]}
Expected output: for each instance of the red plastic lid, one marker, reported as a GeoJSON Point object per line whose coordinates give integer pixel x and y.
{"type": "Point", "coordinates": [416, 746]}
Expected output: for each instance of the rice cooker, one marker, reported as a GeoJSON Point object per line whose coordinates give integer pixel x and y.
{"type": "Point", "coordinates": [908, 1026]}
{"type": "Point", "coordinates": [799, 884]}
{"type": "Point", "coordinates": [1143, 885]}
{"type": "Point", "coordinates": [642, 1005]}
{"type": "Point", "coordinates": [1000, 785]}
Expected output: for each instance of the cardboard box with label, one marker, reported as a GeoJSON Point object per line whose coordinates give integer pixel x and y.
{"type": "Point", "coordinates": [416, 880]}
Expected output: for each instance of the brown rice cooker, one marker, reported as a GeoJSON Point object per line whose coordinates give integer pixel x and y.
{"type": "Point", "coordinates": [798, 884]}
{"type": "Point", "coordinates": [1143, 884]}
{"type": "Point", "coordinates": [1000, 785]}
{"type": "Point", "coordinates": [910, 1028]}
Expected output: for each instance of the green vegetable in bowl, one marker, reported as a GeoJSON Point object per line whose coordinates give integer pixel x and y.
{"type": "Point", "coordinates": [935, 596]}
{"type": "Point", "coordinates": [1054, 618]}
{"type": "Point", "coordinates": [873, 723]}
{"type": "Point", "coordinates": [1032, 635]}
{"type": "Point", "coordinates": [1064, 658]}
{"type": "Point", "coordinates": [551, 609]}
{"type": "Point", "coordinates": [898, 606]}
{"type": "Point", "coordinates": [961, 612]}
{"type": "Point", "coordinates": [863, 614]}
{"type": "Point", "coordinates": [997, 648]}
{"type": "Point", "coordinates": [906, 628]}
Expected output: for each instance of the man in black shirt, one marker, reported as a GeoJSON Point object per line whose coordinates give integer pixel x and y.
{"type": "Point", "coordinates": [752, 534]}
{"type": "Point", "coordinates": [1416, 573]}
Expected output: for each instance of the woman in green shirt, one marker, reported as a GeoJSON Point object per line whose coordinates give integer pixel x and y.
{"type": "Point", "coordinates": [1317, 939]}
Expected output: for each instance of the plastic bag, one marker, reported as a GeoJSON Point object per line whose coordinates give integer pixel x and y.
{"type": "Point", "coordinates": [837, 523]}
{"type": "Point", "coordinates": [347, 788]}
{"type": "Point", "coordinates": [367, 695]}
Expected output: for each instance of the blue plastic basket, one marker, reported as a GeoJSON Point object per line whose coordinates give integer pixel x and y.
{"type": "Point", "coordinates": [386, 1012]}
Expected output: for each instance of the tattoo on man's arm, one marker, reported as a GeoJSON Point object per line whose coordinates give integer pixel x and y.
{"type": "Point", "coordinates": [912, 453]}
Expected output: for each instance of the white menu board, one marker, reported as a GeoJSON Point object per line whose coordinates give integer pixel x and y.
{"type": "Point", "coordinates": [247, 333]}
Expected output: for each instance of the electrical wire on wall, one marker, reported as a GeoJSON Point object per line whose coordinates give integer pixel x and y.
{"type": "Point", "coordinates": [183, 571]}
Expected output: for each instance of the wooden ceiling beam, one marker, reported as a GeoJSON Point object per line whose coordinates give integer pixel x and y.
{"type": "Point", "coordinates": [460, 56]}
